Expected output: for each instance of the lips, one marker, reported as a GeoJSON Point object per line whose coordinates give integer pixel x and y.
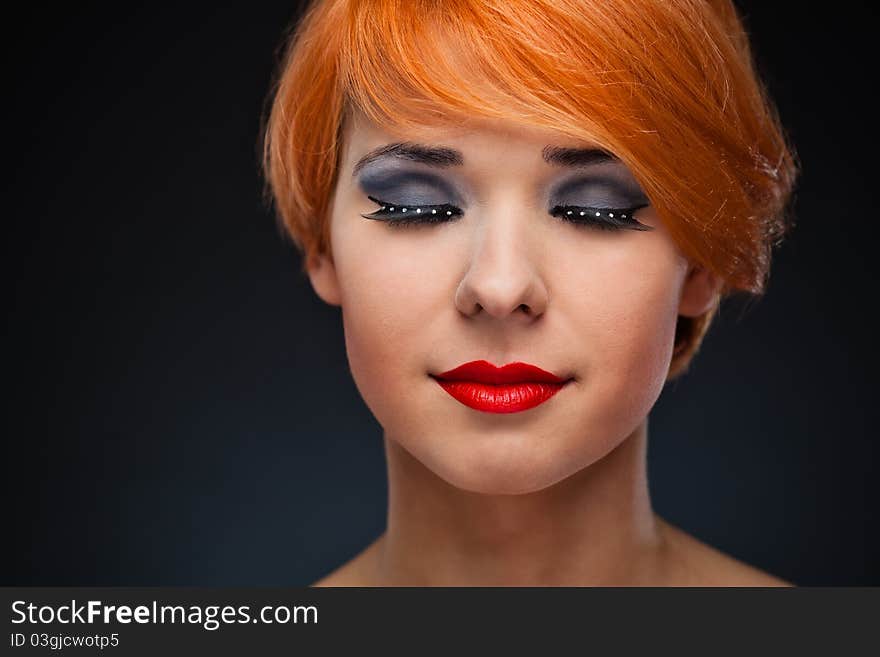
{"type": "Point", "coordinates": [510, 389]}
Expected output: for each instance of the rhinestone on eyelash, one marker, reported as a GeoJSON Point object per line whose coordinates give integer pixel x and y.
{"type": "Point", "coordinates": [433, 212]}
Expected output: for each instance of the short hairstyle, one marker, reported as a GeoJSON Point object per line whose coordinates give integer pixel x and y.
{"type": "Point", "coordinates": [670, 87]}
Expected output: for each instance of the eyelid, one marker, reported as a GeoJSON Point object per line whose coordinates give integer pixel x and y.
{"type": "Point", "coordinates": [387, 180]}
{"type": "Point", "coordinates": [600, 191]}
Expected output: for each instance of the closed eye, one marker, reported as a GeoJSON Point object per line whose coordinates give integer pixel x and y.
{"type": "Point", "coordinates": [403, 214]}
{"type": "Point", "coordinates": [407, 214]}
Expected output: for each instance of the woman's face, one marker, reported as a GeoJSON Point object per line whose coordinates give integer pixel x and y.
{"type": "Point", "coordinates": [505, 277]}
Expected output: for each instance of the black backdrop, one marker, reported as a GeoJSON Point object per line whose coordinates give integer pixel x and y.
{"type": "Point", "coordinates": [179, 408]}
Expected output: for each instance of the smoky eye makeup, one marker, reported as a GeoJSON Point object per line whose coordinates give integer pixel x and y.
{"type": "Point", "coordinates": [397, 214]}
{"type": "Point", "coordinates": [407, 185]}
{"type": "Point", "coordinates": [602, 201]}
{"type": "Point", "coordinates": [410, 197]}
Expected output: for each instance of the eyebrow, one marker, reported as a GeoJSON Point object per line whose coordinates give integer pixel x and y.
{"type": "Point", "coordinates": [576, 157]}
{"type": "Point", "coordinates": [439, 156]}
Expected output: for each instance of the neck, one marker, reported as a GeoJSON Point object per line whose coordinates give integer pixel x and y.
{"type": "Point", "coordinates": [594, 528]}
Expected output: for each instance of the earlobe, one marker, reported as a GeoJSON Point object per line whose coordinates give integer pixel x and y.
{"type": "Point", "coordinates": [322, 274]}
{"type": "Point", "coordinates": [699, 292]}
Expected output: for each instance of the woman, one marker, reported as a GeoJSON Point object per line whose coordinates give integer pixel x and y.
{"type": "Point", "coordinates": [528, 213]}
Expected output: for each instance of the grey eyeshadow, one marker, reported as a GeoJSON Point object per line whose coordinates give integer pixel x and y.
{"type": "Point", "coordinates": [599, 191]}
{"type": "Point", "coordinates": [413, 187]}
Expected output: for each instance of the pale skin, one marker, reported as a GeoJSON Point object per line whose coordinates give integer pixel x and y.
{"type": "Point", "coordinates": [554, 495]}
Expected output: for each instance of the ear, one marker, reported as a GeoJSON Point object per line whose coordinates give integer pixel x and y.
{"type": "Point", "coordinates": [322, 274]}
{"type": "Point", "coordinates": [699, 291]}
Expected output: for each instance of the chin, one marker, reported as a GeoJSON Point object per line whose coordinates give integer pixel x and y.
{"type": "Point", "coordinates": [502, 487]}
{"type": "Point", "coordinates": [502, 468]}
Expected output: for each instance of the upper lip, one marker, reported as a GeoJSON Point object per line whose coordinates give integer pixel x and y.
{"type": "Point", "coordinates": [485, 372]}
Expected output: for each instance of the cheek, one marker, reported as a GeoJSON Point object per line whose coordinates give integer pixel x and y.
{"type": "Point", "coordinates": [625, 309]}
{"type": "Point", "coordinates": [387, 304]}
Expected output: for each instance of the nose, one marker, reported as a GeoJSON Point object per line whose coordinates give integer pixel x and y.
{"type": "Point", "coordinates": [503, 278]}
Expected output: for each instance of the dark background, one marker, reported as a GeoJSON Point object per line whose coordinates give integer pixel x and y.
{"type": "Point", "coordinates": [179, 408]}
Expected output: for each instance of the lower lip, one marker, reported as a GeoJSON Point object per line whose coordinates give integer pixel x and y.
{"type": "Point", "coordinates": [504, 398]}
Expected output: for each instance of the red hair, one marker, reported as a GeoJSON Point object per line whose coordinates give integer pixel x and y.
{"type": "Point", "coordinates": [669, 87]}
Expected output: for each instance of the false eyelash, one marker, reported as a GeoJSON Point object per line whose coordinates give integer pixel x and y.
{"type": "Point", "coordinates": [397, 215]}
{"type": "Point", "coordinates": [602, 218]}
{"type": "Point", "coordinates": [405, 215]}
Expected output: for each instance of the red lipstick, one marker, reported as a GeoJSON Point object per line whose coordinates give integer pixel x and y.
{"type": "Point", "coordinates": [509, 389]}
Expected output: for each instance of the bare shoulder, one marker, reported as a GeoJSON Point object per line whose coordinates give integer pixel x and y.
{"type": "Point", "coordinates": [358, 571]}
{"type": "Point", "coordinates": [696, 563]}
